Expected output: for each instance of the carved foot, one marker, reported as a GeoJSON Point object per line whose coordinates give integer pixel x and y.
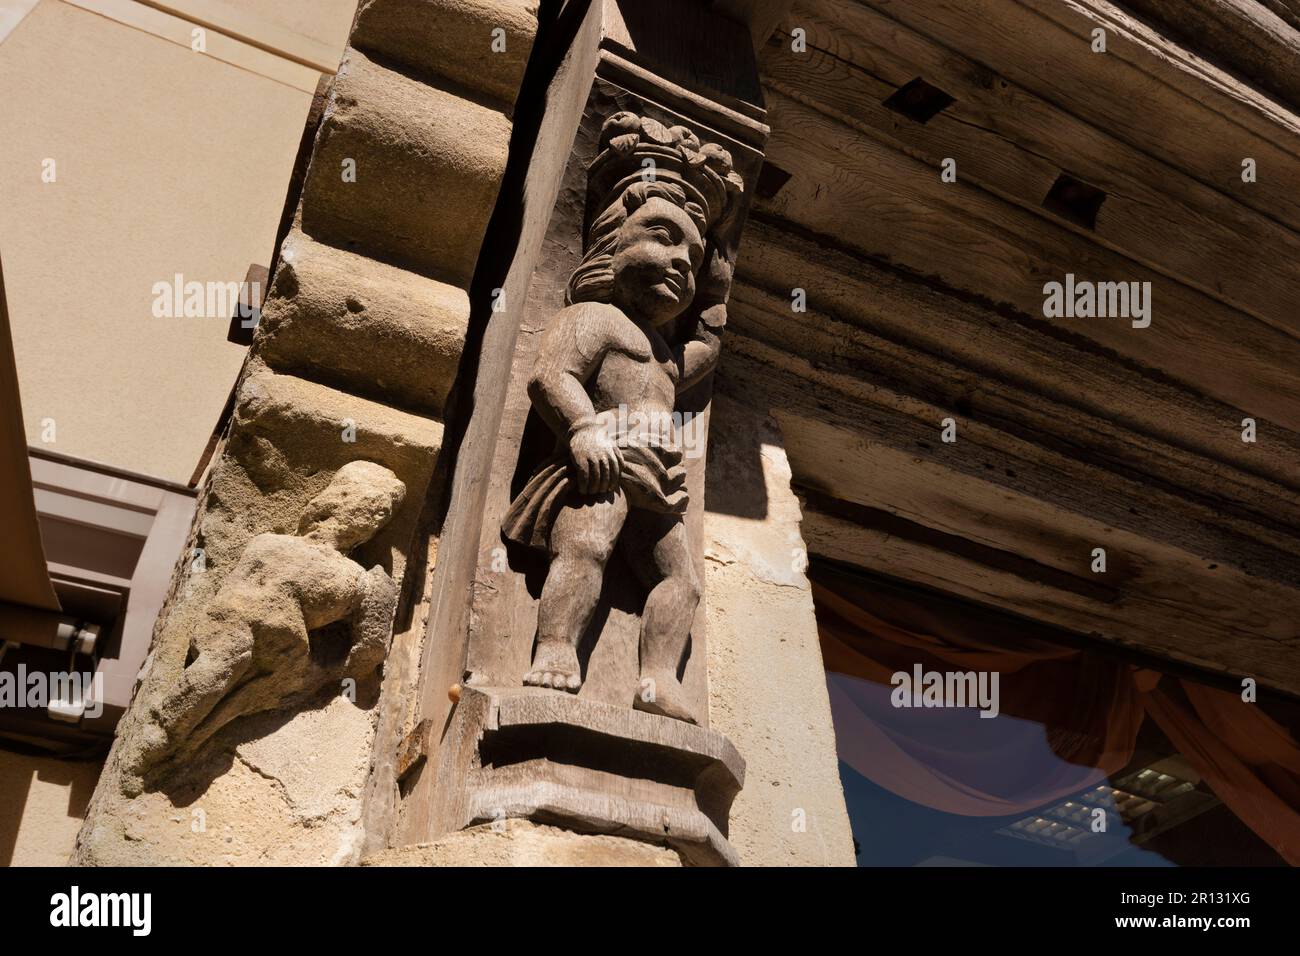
{"type": "Point", "coordinates": [555, 664]}
{"type": "Point", "coordinates": [661, 693]}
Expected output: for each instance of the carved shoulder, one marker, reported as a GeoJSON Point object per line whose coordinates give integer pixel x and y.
{"type": "Point", "coordinates": [600, 328]}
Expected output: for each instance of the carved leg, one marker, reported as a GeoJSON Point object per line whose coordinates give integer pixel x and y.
{"type": "Point", "coordinates": [659, 553]}
{"type": "Point", "coordinates": [582, 539]}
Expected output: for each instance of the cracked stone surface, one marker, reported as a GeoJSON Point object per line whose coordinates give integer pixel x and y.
{"type": "Point", "coordinates": [292, 798]}
{"type": "Point", "coordinates": [316, 776]}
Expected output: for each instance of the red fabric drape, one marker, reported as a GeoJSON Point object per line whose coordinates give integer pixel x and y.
{"type": "Point", "coordinates": [1073, 719]}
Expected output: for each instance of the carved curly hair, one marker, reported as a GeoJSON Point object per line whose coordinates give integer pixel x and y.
{"type": "Point", "coordinates": [593, 280]}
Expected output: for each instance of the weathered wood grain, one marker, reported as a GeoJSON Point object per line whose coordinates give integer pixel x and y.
{"type": "Point", "coordinates": [593, 767]}
{"type": "Point", "coordinates": [1014, 144]}
{"type": "Point", "coordinates": [1165, 616]}
{"type": "Point", "coordinates": [992, 346]}
{"type": "Point", "coordinates": [867, 444]}
{"type": "Point", "coordinates": [1242, 35]}
{"type": "Point", "coordinates": [889, 205]}
{"type": "Point", "coordinates": [838, 354]}
{"type": "Point", "coordinates": [1145, 89]}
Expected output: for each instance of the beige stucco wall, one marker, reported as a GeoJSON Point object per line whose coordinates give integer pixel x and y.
{"type": "Point", "coordinates": [167, 161]}
{"type": "Point", "coordinates": [42, 803]}
{"type": "Point", "coordinates": [767, 684]}
{"type": "Point", "coordinates": [324, 21]}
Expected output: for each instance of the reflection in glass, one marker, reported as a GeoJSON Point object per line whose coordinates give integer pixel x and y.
{"type": "Point", "coordinates": [1093, 758]}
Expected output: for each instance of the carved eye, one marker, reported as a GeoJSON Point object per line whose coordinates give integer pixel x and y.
{"type": "Point", "coordinates": [662, 233]}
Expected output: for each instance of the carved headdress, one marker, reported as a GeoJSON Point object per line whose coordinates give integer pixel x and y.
{"type": "Point", "coordinates": [639, 159]}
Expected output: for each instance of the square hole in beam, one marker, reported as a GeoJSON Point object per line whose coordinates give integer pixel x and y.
{"type": "Point", "coordinates": [1074, 200]}
{"type": "Point", "coordinates": [919, 101]}
{"type": "Point", "coordinates": [770, 180]}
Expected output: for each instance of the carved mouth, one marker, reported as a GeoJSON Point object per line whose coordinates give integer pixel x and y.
{"type": "Point", "coordinates": [675, 282]}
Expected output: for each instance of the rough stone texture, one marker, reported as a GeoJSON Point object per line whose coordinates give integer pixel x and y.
{"type": "Point", "coordinates": [428, 165]}
{"type": "Point", "coordinates": [767, 684]}
{"type": "Point", "coordinates": [254, 648]}
{"type": "Point", "coordinates": [453, 39]}
{"type": "Point", "coordinates": [372, 329]}
{"type": "Point", "coordinates": [523, 843]}
{"type": "Point", "coordinates": [287, 442]}
{"type": "Point", "coordinates": [288, 795]}
{"type": "Point", "coordinates": [288, 437]}
{"type": "Point", "coordinates": [287, 785]}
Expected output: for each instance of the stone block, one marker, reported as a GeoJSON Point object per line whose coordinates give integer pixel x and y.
{"type": "Point", "coordinates": [404, 171]}
{"type": "Point", "coordinates": [481, 44]}
{"type": "Point", "coordinates": [368, 328]}
{"type": "Point", "coordinates": [524, 843]}
{"type": "Point", "coordinates": [288, 438]}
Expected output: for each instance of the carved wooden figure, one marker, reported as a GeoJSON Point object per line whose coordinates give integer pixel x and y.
{"type": "Point", "coordinates": [641, 323]}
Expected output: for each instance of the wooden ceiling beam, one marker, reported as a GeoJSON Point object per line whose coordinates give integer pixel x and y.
{"type": "Point", "coordinates": [1145, 90]}
{"type": "Point", "coordinates": [1256, 507]}
{"type": "Point", "coordinates": [993, 345]}
{"type": "Point", "coordinates": [1013, 144]}
{"type": "Point", "coordinates": [884, 203]}
{"type": "Point", "coordinates": [1158, 613]}
{"type": "Point", "coordinates": [880, 432]}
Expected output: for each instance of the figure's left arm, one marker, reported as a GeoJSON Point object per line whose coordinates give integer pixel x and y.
{"type": "Point", "coordinates": [375, 601]}
{"type": "Point", "coordinates": [699, 354]}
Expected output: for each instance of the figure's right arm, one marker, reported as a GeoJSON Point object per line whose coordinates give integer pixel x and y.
{"type": "Point", "coordinates": [558, 385]}
{"type": "Point", "coordinates": [571, 350]}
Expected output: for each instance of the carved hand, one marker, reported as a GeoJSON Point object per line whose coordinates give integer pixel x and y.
{"type": "Point", "coordinates": [596, 459]}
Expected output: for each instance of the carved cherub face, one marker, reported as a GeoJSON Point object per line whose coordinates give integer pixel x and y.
{"type": "Point", "coordinates": [359, 501]}
{"type": "Point", "coordinates": [654, 264]}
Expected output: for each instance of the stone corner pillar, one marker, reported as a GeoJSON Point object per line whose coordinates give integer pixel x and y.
{"type": "Point", "coordinates": [257, 719]}
{"type": "Point", "coordinates": [767, 682]}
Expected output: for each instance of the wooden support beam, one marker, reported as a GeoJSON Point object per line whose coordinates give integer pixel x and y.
{"type": "Point", "coordinates": [1157, 614]}
{"type": "Point", "coordinates": [886, 204]}
{"type": "Point", "coordinates": [1013, 144]}
{"type": "Point", "coordinates": [1145, 90]}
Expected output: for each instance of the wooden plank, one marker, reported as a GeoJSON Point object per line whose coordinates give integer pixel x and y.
{"type": "Point", "coordinates": [1287, 10]}
{"type": "Point", "coordinates": [885, 204]}
{"type": "Point", "coordinates": [1251, 506]}
{"type": "Point", "coordinates": [1159, 614]}
{"type": "Point", "coordinates": [1013, 144]}
{"type": "Point", "coordinates": [1145, 89]}
{"type": "Point", "coordinates": [991, 346]}
{"type": "Point", "coordinates": [866, 444]}
{"type": "Point", "coordinates": [1242, 35]}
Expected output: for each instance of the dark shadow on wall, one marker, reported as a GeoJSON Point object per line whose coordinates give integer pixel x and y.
{"type": "Point", "coordinates": [734, 480]}
{"type": "Point", "coordinates": [23, 767]}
